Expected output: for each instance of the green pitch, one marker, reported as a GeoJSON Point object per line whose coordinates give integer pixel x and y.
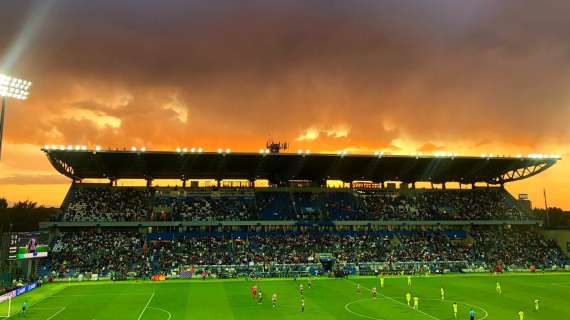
{"type": "Point", "coordinates": [327, 299]}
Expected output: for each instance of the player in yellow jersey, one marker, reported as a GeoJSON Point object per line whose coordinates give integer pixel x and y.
{"type": "Point", "coordinates": [416, 303]}
{"type": "Point", "coordinates": [409, 299]}
{"type": "Point", "coordinates": [442, 294]}
{"type": "Point", "coordinates": [455, 309]}
{"type": "Point", "coordinates": [521, 315]}
{"type": "Point", "coordinates": [274, 300]}
{"type": "Point", "coordinates": [409, 281]}
{"type": "Point", "coordinates": [382, 281]}
{"type": "Point", "coordinates": [536, 305]}
{"type": "Point", "coordinates": [498, 288]}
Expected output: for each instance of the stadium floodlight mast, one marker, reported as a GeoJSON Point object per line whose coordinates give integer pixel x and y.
{"type": "Point", "coordinates": [11, 88]}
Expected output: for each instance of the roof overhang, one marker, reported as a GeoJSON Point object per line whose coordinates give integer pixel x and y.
{"type": "Point", "coordinates": [282, 167]}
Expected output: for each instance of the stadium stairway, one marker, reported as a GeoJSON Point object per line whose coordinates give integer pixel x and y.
{"type": "Point", "coordinates": [512, 201]}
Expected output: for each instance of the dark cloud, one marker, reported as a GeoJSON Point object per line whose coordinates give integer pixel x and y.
{"type": "Point", "coordinates": [217, 73]}
{"type": "Point", "coordinates": [186, 72]}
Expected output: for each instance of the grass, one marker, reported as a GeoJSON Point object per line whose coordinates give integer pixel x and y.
{"type": "Point", "coordinates": [327, 299]}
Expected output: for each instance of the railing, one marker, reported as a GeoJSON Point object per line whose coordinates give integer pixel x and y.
{"type": "Point", "coordinates": [197, 223]}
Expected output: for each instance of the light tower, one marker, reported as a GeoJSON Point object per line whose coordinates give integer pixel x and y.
{"type": "Point", "coordinates": [11, 88]}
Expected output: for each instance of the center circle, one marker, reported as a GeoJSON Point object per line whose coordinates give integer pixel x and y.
{"type": "Point", "coordinates": [347, 307]}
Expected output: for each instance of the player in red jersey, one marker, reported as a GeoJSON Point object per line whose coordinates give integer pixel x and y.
{"type": "Point", "coordinates": [254, 292]}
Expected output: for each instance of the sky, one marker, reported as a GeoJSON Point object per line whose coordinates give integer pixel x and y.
{"type": "Point", "coordinates": [400, 76]}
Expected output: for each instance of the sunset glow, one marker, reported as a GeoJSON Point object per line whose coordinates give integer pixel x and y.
{"type": "Point", "coordinates": [474, 78]}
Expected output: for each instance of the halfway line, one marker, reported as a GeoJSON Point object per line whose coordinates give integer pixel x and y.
{"type": "Point", "coordinates": [389, 298]}
{"type": "Point", "coordinates": [145, 307]}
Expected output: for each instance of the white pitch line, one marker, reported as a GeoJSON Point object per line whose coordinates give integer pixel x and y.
{"type": "Point", "coordinates": [560, 285]}
{"type": "Point", "coordinates": [146, 306]}
{"type": "Point", "coordinates": [467, 304]}
{"type": "Point", "coordinates": [97, 294]}
{"type": "Point", "coordinates": [42, 299]}
{"type": "Point", "coordinates": [159, 309]}
{"type": "Point", "coordinates": [389, 298]}
{"type": "Point", "coordinates": [55, 314]}
{"type": "Point", "coordinates": [346, 307]}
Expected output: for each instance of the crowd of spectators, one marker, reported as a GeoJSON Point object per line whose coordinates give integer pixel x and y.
{"type": "Point", "coordinates": [99, 252]}
{"type": "Point", "coordinates": [477, 204]}
{"type": "Point", "coordinates": [123, 252]}
{"type": "Point", "coordinates": [208, 208]}
{"type": "Point", "coordinates": [428, 246]}
{"type": "Point", "coordinates": [108, 204]}
{"type": "Point", "coordinates": [514, 247]}
{"type": "Point", "coordinates": [138, 204]}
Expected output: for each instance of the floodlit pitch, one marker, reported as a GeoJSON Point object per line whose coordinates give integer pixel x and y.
{"type": "Point", "coordinates": [326, 299]}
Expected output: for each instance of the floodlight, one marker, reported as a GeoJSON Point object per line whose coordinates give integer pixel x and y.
{"type": "Point", "coordinates": [143, 149]}
{"type": "Point", "coordinates": [133, 149]}
{"type": "Point", "coordinates": [199, 150]}
{"type": "Point", "coordinates": [97, 148]}
{"type": "Point", "coordinates": [228, 150]}
{"type": "Point", "coordinates": [14, 88]}
{"type": "Point", "coordinates": [178, 149]}
{"type": "Point", "coordinates": [219, 150]}
{"type": "Point", "coordinates": [11, 88]}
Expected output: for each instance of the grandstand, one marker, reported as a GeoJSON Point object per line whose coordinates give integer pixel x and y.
{"type": "Point", "coordinates": [380, 222]}
{"type": "Point", "coordinates": [247, 226]}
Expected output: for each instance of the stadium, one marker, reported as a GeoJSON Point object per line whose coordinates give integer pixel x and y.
{"type": "Point", "coordinates": [284, 159]}
{"type": "Point", "coordinates": [441, 229]}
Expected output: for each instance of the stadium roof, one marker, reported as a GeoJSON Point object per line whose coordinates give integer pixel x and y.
{"type": "Point", "coordinates": [282, 167]}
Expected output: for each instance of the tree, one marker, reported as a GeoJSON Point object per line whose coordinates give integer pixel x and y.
{"type": "Point", "coordinates": [25, 205]}
{"type": "Point", "coordinates": [3, 203]}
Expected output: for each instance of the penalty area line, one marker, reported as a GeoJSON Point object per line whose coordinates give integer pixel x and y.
{"type": "Point", "coordinates": [55, 314]}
